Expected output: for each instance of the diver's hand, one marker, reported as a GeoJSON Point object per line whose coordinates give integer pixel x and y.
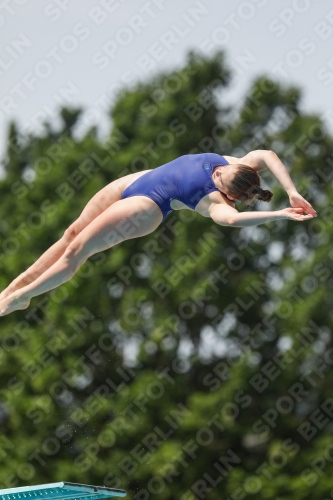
{"type": "Point", "coordinates": [297, 201]}
{"type": "Point", "coordinates": [295, 214]}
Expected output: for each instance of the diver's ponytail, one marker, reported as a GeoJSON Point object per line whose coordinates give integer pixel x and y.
{"type": "Point", "coordinates": [263, 194]}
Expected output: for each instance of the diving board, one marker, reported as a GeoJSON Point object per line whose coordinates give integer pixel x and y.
{"type": "Point", "coordinates": [60, 491]}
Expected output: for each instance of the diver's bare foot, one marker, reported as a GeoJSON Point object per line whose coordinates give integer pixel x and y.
{"type": "Point", "coordinates": [12, 303]}
{"type": "Point", "coordinates": [13, 287]}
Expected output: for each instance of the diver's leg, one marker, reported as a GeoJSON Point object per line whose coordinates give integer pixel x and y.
{"type": "Point", "coordinates": [125, 219]}
{"type": "Point", "coordinates": [97, 205]}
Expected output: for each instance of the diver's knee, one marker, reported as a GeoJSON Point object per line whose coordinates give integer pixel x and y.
{"type": "Point", "coordinates": [71, 233]}
{"type": "Point", "coordinates": [75, 254]}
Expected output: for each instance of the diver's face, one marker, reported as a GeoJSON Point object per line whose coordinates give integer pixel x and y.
{"type": "Point", "coordinates": [222, 177]}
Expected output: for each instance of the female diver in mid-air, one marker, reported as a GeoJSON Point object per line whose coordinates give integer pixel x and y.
{"type": "Point", "coordinates": [136, 204]}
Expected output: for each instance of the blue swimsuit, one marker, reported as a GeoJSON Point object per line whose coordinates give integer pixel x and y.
{"type": "Point", "coordinates": [187, 179]}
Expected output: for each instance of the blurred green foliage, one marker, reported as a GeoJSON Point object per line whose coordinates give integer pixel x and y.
{"type": "Point", "coordinates": [191, 363]}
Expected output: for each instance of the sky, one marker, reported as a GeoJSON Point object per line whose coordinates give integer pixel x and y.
{"type": "Point", "coordinates": [80, 52]}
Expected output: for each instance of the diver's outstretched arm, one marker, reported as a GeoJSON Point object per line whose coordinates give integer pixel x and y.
{"type": "Point", "coordinates": [262, 159]}
{"type": "Point", "coordinates": [225, 215]}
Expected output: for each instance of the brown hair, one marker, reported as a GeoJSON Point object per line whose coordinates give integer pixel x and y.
{"type": "Point", "coordinates": [245, 186]}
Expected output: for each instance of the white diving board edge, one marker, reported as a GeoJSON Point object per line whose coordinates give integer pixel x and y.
{"type": "Point", "coordinates": [59, 491]}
